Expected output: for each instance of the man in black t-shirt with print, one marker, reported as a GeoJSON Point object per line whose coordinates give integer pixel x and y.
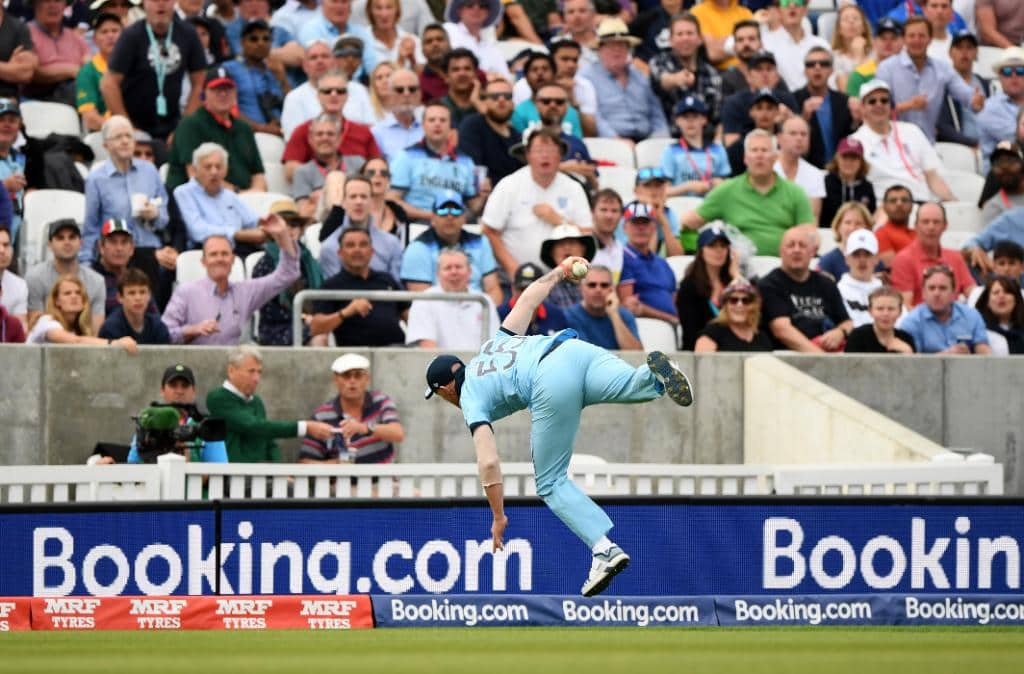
{"type": "Point", "coordinates": [162, 44]}
{"type": "Point", "coordinates": [803, 309]}
{"type": "Point", "coordinates": [17, 59]}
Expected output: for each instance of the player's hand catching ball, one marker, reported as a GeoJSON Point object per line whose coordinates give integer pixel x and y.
{"type": "Point", "coordinates": [574, 268]}
{"type": "Point", "coordinates": [498, 532]}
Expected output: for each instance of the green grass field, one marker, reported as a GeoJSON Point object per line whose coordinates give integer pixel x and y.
{"type": "Point", "coordinates": [822, 650]}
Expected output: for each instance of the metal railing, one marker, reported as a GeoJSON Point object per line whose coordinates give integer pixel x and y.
{"type": "Point", "coordinates": [385, 296]}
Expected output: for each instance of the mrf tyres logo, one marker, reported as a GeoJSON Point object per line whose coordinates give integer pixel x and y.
{"type": "Point", "coordinates": [6, 609]}
{"type": "Point", "coordinates": [883, 563]}
{"type": "Point", "coordinates": [157, 614]}
{"type": "Point", "coordinates": [244, 614]}
{"type": "Point", "coordinates": [328, 614]}
{"type": "Point", "coordinates": [438, 566]}
{"type": "Point", "coordinates": [75, 613]}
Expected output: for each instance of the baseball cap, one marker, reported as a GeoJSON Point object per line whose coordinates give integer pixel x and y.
{"type": "Point", "coordinates": [348, 45]}
{"type": "Point", "coordinates": [739, 285]}
{"type": "Point", "coordinates": [887, 23]}
{"type": "Point", "coordinates": [63, 223]}
{"type": "Point", "coordinates": [650, 174]}
{"type": "Point", "coordinates": [526, 274]}
{"type": "Point", "coordinates": [1011, 56]}
{"type": "Point", "coordinates": [760, 57]}
{"type": "Point", "coordinates": [862, 239]}
{"type": "Point", "coordinates": [637, 210]}
{"type": "Point", "coordinates": [872, 86]}
{"type": "Point", "coordinates": [448, 198]}
{"type": "Point", "coordinates": [9, 106]}
{"type": "Point", "coordinates": [441, 371]}
{"type": "Point", "coordinates": [690, 104]}
{"type": "Point", "coordinates": [850, 145]}
{"type": "Point", "coordinates": [254, 24]}
{"type": "Point", "coordinates": [764, 94]}
{"type": "Point", "coordinates": [178, 371]}
{"type": "Point", "coordinates": [349, 361]}
{"type": "Point", "coordinates": [965, 34]}
{"type": "Point", "coordinates": [217, 77]}
{"type": "Point", "coordinates": [1005, 147]}
{"type": "Point", "coordinates": [709, 235]}
{"type": "Point", "coordinates": [115, 226]}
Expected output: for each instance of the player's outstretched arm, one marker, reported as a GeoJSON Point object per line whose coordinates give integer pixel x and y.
{"type": "Point", "coordinates": [518, 320]}
{"type": "Point", "coordinates": [489, 468]}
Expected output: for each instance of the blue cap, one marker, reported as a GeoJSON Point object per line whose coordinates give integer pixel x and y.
{"type": "Point", "coordinates": [709, 235]}
{"type": "Point", "coordinates": [441, 371]}
{"type": "Point", "coordinates": [764, 94]}
{"type": "Point", "coordinates": [650, 173]}
{"type": "Point", "coordinates": [965, 34]}
{"type": "Point", "coordinates": [887, 23]}
{"type": "Point", "coordinates": [446, 197]}
{"type": "Point", "coordinates": [690, 104]}
{"type": "Point", "coordinates": [637, 210]}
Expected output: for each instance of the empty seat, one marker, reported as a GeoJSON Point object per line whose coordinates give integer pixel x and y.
{"type": "Point", "coordinates": [271, 147]}
{"type": "Point", "coordinates": [957, 157]}
{"type": "Point", "coordinates": [648, 152]}
{"type": "Point", "coordinates": [619, 152]}
{"type": "Point", "coordinates": [657, 335]}
{"type": "Point", "coordinates": [273, 171]}
{"type": "Point", "coordinates": [41, 208]}
{"type": "Point", "coordinates": [42, 118]}
{"type": "Point", "coordinates": [963, 216]}
{"type": "Point", "coordinates": [260, 201]}
{"type": "Point", "coordinates": [761, 265]}
{"type": "Point", "coordinates": [679, 264]}
{"type": "Point", "coordinates": [618, 178]}
{"type": "Point", "coordinates": [964, 185]}
{"type": "Point", "coordinates": [311, 237]}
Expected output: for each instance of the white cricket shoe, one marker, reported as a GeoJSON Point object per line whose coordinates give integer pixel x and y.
{"type": "Point", "coordinates": [606, 565]}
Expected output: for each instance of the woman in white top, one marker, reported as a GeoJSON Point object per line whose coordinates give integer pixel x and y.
{"type": "Point", "coordinates": [68, 320]}
{"type": "Point", "coordinates": [380, 89]}
{"type": "Point", "coordinates": [851, 44]}
{"type": "Point", "coordinates": [389, 42]}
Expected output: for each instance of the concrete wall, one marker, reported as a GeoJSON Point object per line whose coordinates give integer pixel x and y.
{"type": "Point", "coordinates": [56, 402]}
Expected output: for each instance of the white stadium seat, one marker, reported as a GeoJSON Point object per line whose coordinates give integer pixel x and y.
{"type": "Point", "coordinates": [680, 205]}
{"type": "Point", "coordinates": [614, 150]}
{"type": "Point", "coordinates": [271, 147]}
{"type": "Point", "coordinates": [511, 48]}
{"type": "Point", "coordinates": [261, 201]}
{"type": "Point", "coordinates": [963, 216]}
{"type": "Point", "coordinates": [190, 268]}
{"type": "Point", "coordinates": [827, 25]}
{"type": "Point", "coordinates": [760, 265]}
{"type": "Point", "coordinates": [164, 170]}
{"type": "Point", "coordinates": [95, 142]}
{"type": "Point", "coordinates": [415, 229]}
{"type": "Point", "coordinates": [964, 186]}
{"type": "Point", "coordinates": [649, 151]}
{"type": "Point", "coordinates": [679, 264]}
{"type": "Point", "coordinates": [41, 208]}
{"type": "Point", "coordinates": [620, 179]}
{"type": "Point", "coordinates": [957, 157]}
{"type": "Point", "coordinates": [987, 56]}
{"type": "Point", "coordinates": [273, 171]}
{"type": "Point", "coordinates": [42, 119]}
{"type": "Point", "coordinates": [311, 237]}
{"type": "Point", "coordinates": [828, 242]}
{"type": "Point", "coordinates": [657, 335]}
{"type": "Point", "coordinates": [955, 240]}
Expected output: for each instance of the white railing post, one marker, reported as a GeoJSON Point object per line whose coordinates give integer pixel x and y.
{"type": "Point", "coordinates": [172, 476]}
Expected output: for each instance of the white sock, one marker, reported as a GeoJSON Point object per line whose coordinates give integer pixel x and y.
{"type": "Point", "coordinates": [602, 545]}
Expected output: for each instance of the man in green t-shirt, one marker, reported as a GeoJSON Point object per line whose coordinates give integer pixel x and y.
{"type": "Point", "coordinates": [759, 203]}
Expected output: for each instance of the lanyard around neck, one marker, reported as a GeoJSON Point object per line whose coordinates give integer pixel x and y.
{"type": "Point", "coordinates": [160, 52]}
{"type": "Point", "coordinates": [706, 175]}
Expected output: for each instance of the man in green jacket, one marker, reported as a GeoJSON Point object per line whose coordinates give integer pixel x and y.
{"type": "Point", "coordinates": [250, 435]}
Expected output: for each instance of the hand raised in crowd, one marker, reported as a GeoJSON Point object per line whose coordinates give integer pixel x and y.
{"type": "Point", "coordinates": [274, 226]}
{"type": "Point", "coordinates": [319, 430]}
{"type": "Point", "coordinates": [407, 50]}
{"type": "Point", "coordinates": [611, 303]}
{"type": "Point", "coordinates": [979, 259]}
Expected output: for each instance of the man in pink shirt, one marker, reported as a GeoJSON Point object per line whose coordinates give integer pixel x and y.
{"type": "Point", "coordinates": [61, 51]}
{"type": "Point", "coordinates": [926, 251]}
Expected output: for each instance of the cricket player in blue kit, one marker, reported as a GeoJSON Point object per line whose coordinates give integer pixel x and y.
{"type": "Point", "coordinates": [555, 377]}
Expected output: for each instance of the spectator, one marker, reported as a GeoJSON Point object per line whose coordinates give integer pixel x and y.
{"type": "Point", "coordinates": [14, 287]}
{"type": "Point", "coordinates": [763, 78]}
{"type": "Point", "coordinates": [463, 97]}
{"type": "Point", "coordinates": [209, 207]}
{"type": "Point", "coordinates": [940, 324]}
{"type": "Point", "coordinates": [606, 216]}
{"type": "Point", "coordinates": [888, 42]}
{"type": "Point", "coordinates": [302, 103]}
{"type": "Point", "coordinates": [550, 102]}
{"type": "Point", "coordinates": [415, 17]}
{"type": "Point", "coordinates": [1007, 162]}
{"type": "Point", "coordinates": [331, 23]}
{"type": "Point", "coordinates": [125, 188]}
{"type": "Point", "coordinates": [322, 136]}
{"type": "Point", "coordinates": [803, 309]}
{"type": "Point", "coordinates": [366, 420]}
{"type": "Point", "coordinates": [693, 165]}
{"type": "Point", "coordinates": [925, 252]}
{"type": "Point", "coordinates": [292, 16]}
{"type": "Point", "coordinates": [790, 43]}
{"type": "Point", "coordinates": [828, 112]}
{"type": "Point", "coordinates": [286, 50]}
{"type": "Point", "coordinates": [736, 328]}
{"type": "Point", "coordinates": [597, 317]}
{"type": "Point", "coordinates": [1007, 260]}
{"type": "Point", "coordinates": [12, 160]}
{"type": "Point", "coordinates": [652, 26]}
{"type": "Point", "coordinates": [1000, 22]}
{"type": "Point", "coordinates": [18, 60]}
{"type": "Point", "coordinates": [355, 143]}
{"type": "Point", "coordinates": [431, 79]}
{"type": "Point", "coordinates": [580, 19]}
{"type": "Point", "coordinates": [850, 218]}
{"type": "Point", "coordinates": [895, 234]}
{"type": "Point", "coordinates": [210, 31]}
{"type": "Point", "coordinates": [67, 318]}
{"type": "Point", "coordinates": [904, 11]}
{"type": "Point", "coordinates": [759, 203]}
{"type": "Point", "coordinates": [539, 71]}
{"type": "Point", "coordinates": [712, 269]}
{"type": "Point", "coordinates": [529, 203]}
{"type": "Point", "coordinates": [918, 83]}
{"type": "Point", "coordinates": [359, 322]}
{"type": "Point", "coordinates": [275, 326]}
{"type": "Point", "coordinates": [547, 319]}
{"type": "Point", "coordinates": [764, 113]}
{"type": "Point", "coordinates": [1007, 227]}
{"type": "Point", "coordinates": [89, 101]}
{"type": "Point", "coordinates": [402, 127]}
{"type": "Point", "coordinates": [388, 40]}
{"type": "Point", "coordinates": [466, 21]}
{"type": "Point", "coordinates": [851, 44]}
{"type": "Point", "coordinates": [647, 285]}
{"type": "Point", "coordinates": [794, 141]}
{"type": "Point", "coordinates": [250, 435]}
{"type": "Point", "coordinates": [746, 37]}
{"type": "Point", "coordinates": [857, 284]}
{"type": "Point", "coordinates": [213, 310]}
{"type": "Point", "coordinates": [939, 14]}
{"type": "Point", "coordinates": [898, 152]}
{"type": "Point", "coordinates": [880, 335]}
{"type": "Point", "coordinates": [651, 188]}
{"type": "Point", "coordinates": [260, 79]}
{"type": "Point", "coordinates": [582, 94]}
{"type": "Point", "coordinates": [61, 54]}
{"type": "Point", "coordinates": [144, 76]}
{"type": "Point", "coordinates": [566, 241]}
{"type": "Point", "coordinates": [846, 180]}
{"type": "Point", "coordinates": [65, 242]}
{"type": "Point", "coordinates": [387, 214]}
{"type": "Point", "coordinates": [347, 53]}
{"type": "Point", "coordinates": [12, 329]}
{"type": "Point", "coordinates": [998, 119]}
{"type": "Point", "coordinates": [353, 210]}
{"type": "Point", "coordinates": [487, 137]}
{"type": "Point", "coordinates": [683, 71]}
{"type": "Point", "coordinates": [420, 259]}
{"type": "Point", "coordinates": [626, 105]}
{"type": "Point", "coordinates": [380, 90]}
{"type": "Point", "coordinates": [529, 19]}
{"type": "Point", "coordinates": [958, 123]}
{"type": "Point", "coordinates": [134, 314]}
{"type": "Point", "coordinates": [451, 325]}
{"type": "Point", "coordinates": [215, 122]}
{"type": "Point", "coordinates": [1002, 308]}
{"type": "Point", "coordinates": [116, 249]}
{"type": "Point", "coordinates": [717, 19]}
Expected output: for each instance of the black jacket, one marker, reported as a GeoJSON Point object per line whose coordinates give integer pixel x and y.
{"type": "Point", "coordinates": [842, 124]}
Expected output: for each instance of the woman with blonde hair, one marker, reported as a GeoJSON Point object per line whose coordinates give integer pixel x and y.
{"type": "Point", "coordinates": [851, 216]}
{"type": "Point", "coordinates": [736, 328]}
{"type": "Point", "coordinates": [851, 44]}
{"type": "Point", "coordinates": [380, 99]}
{"type": "Point", "coordinates": [68, 320]}
{"type": "Point", "coordinates": [387, 39]}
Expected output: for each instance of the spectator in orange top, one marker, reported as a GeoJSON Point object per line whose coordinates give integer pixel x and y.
{"type": "Point", "coordinates": [895, 234]}
{"type": "Point", "coordinates": [926, 251]}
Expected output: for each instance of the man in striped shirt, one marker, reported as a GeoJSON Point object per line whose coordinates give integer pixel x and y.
{"type": "Point", "coordinates": [367, 421]}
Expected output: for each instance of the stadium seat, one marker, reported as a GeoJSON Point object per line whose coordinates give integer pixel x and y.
{"type": "Point", "coordinates": [680, 205]}
{"type": "Point", "coordinates": [42, 119]}
{"type": "Point", "coordinates": [656, 334]}
{"type": "Point", "coordinates": [415, 229]}
{"type": "Point", "coordinates": [821, 5]}
{"type": "Point", "coordinates": [827, 25]}
{"type": "Point", "coordinates": [250, 262]}
{"type": "Point", "coordinates": [955, 239]}
{"type": "Point", "coordinates": [473, 229]}
{"type": "Point", "coordinates": [190, 268]}
{"type": "Point", "coordinates": [963, 216]}
{"type": "Point", "coordinates": [271, 147]}
{"type": "Point", "coordinates": [679, 264]}
{"type": "Point", "coordinates": [164, 170]}
{"type": "Point", "coordinates": [649, 151]}
{"type": "Point", "coordinates": [41, 208]}
{"type": "Point", "coordinates": [611, 149]}
{"type": "Point", "coordinates": [760, 265]}
{"type": "Point", "coordinates": [311, 237]}
{"type": "Point", "coordinates": [511, 48]}
{"type": "Point", "coordinates": [828, 243]}
{"type": "Point", "coordinates": [95, 142]}
{"type": "Point", "coordinates": [620, 179]}
{"type": "Point", "coordinates": [274, 173]}
{"type": "Point", "coordinates": [83, 170]}
{"type": "Point", "coordinates": [957, 157]}
{"type": "Point", "coordinates": [965, 186]}
{"type": "Point", "coordinates": [260, 201]}
{"type": "Point", "coordinates": [987, 56]}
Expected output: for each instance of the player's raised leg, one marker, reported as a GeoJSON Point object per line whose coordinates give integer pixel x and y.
{"type": "Point", "coordinates": [676, 383]}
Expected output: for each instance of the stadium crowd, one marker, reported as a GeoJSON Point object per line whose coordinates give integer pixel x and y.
{"type": "Point", "coordinates": [744, 175]}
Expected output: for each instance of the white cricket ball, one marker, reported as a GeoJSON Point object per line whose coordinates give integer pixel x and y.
{"type": "Point", "coordinates": [579, 269]}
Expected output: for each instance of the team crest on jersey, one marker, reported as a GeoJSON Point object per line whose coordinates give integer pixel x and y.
{"type": "Point", "coordinates": [171, 56]}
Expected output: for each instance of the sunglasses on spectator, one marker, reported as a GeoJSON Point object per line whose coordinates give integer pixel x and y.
{"type": "Point", "coordinates": [383, 173]}
{"type": "Point", "coordinates": [449, 210]}
{"type": "Point", "coordinates": [501, 96]}
{"type": "Point", "coordinates": [824, 63]}
{"type": "Point", "coordinates": [1006, 71]}
{"type": "Point", "coordinates": [741, 299]}
{"type": "Point", "coordinates": [406, 90]}
{"type": "Point", "coordinates": [880, 100]}
{"type": "Point", "coordinates": [597, 284]}
{"type": "Point", "coordinates": [552, 101]}
{"type": "Point", "coordinates": [341, 91]}
{"type": "Point", "coordinates": [899, 200]}
{"type": "Point", "coordinates": [258, 38]}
